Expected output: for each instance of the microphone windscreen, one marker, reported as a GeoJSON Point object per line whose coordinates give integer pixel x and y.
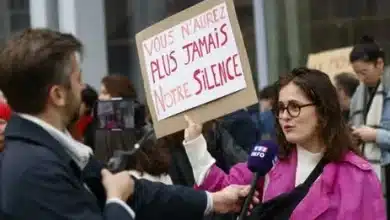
{"type": "Point", "coordinates": [262, 157]}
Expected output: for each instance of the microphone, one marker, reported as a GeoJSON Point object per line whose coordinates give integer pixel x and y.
{"type": "Point", "coordinates": [261, 160]}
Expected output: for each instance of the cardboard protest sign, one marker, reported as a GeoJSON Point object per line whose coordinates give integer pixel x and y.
{"type": "Point", "coordinates": [195, 63]}
{"type": "Point", "coordinates": [331, 62]}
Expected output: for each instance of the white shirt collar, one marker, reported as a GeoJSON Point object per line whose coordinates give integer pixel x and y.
{"type": "Point", "coordinates": [79, 152]}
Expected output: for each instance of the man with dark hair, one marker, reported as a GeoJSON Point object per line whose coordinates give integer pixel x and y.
{"type": "Point", "coordinates": [346, 84]}
{"type": "Point", "coordinates": [40, 75]}
{"type": "Point", "coordinates": [45, 174]}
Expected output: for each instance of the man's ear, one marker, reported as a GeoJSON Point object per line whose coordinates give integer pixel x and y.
{"type": "Point", "coordinates": [57, 96]}
{"type": "Point", "coordinates": [380, 63]}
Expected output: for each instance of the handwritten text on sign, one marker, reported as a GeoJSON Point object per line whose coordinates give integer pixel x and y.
{"type": "Point", "coordinates": [192, 63]}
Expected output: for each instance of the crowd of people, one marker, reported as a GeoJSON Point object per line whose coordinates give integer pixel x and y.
{"type": "Point", "coordinates": [55, 159]}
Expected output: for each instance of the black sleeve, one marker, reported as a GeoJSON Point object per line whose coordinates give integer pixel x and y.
{"type": "Point", "coordinates": [232, 152]}
{"type": "Point", "coordinates": [158, 201]}
{"type": "Point", "coordinates": [224, 148]}
{"type": "Point", "coordinates": [48, 192]}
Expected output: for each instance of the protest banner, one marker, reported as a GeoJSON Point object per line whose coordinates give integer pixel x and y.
{"type": "Point", "coordinates": [331, 62]}
{"type": "Point", "coordinates": [195, 62]}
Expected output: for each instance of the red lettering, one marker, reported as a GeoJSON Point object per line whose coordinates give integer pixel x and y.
{"type": "Point", "coordinates": [171, 40]}
{"type": "Point", "coordinates": [187, 47]}
{"type": "Point", "coordinates": [211, 41]}
{"type": "Point", "coordinates": [168, 63]}
{"type": "Point", "coordinates": [209, 17]}
{"type": "Point", "coordinates": [205, 45]}
{"type": "Point", "coordinates": [159, 42]}
{"type": "Point", "coordinates": [185, 29]}
{"type": "Point", "coordinates": [203, 21]}
{"type": "Point", "coordinates": [170, 98]}
{"type": "Point", "coordinates": [159, 100]}
{"type": "Point", "coordinates": [223, 30]}
{"type": "Point", "coordinates": [222, 16]}
{"type": "Point", "coordinates": [154, 68]}
{"type": "Point", "coordinates": [235, 65]}
{"type": "Point", "coordinates": [215, 15]}
{"type": "Point", "coordinates": [222, 73]}
{"type": "Point", "coordinates": [148, 49]}
{"type": "Point", "coordinates": [228, 60]}
{"type": "Point", "coordinates": [198, 80]}
{"type": "Point", "coordinates": [197, 25]}
{"type": "Point", "coordinates": [173, 59]}
{"type": "Point", "coordinates": [217, 84]}
{"type": "Point", "coordinates": [156, 44]}
{"type": "Point", "coordinates": [217, 75]}
{"type": "Point", "coordinates": [210, 84]}
{"type": "Point", "coordinates": [196, 51]}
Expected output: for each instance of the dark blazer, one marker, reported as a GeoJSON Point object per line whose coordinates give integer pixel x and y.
{"type": "Point", "coordinates": [152, 201]}
{"type": "Point", "coordinates": [39, 180]}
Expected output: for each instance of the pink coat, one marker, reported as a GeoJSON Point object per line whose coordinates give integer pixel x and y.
{"type": "Point", "coordinates": [346, 190]}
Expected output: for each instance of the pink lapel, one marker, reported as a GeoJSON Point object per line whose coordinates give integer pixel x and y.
{"type": "Point", "coordinates": [281, 177]}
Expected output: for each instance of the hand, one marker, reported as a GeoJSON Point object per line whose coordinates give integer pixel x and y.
{"type": "Point", "coordinates": [231, 199]}
{"type": "Point", "coordinates": [193, 130]}
{"type": "Point", "coordinates": [119, 185]}
{"type": "Point", "coordinates": [366, 134]}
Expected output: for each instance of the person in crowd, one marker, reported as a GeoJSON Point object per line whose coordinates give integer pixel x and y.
{"type": "Point", "coordinates": [5, 115]}
{"type": "Point", "coordinates": [266, 122]}
{"type": "Point", "coordinates": [309, 128]}
{"type": "Point", "coordinates": [83, 127]}
{"type": "Point", "coordinates": [106, 141]}
{"type": "Point", "coordinates": [45, 173]}
{"type": "Point", "coordinates": [370, 105]}
{"type": "Point", "coordinates": [116, 85]}
{"type": "Point", "coordinates": [241, 127]}
{"type": "Point", "coordinates": [267, 98]}
{"type": "Point", "coordinates": [346, 84]}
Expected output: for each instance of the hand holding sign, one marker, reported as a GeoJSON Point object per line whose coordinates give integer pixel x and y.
{"type": "Point", "coordinates": [193, 130]}
{"type": "Point", "coordinates": [195, 62]}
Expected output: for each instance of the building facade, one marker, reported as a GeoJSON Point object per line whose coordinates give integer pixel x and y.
{"type": "Point", "coordinates": [278, 35]}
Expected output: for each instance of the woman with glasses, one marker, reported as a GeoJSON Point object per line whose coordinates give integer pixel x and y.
{"type": "Point", "coordinates": [310, 129]}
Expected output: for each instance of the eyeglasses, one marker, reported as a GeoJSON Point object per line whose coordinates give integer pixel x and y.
{"type": "Point", "coordinates": [293, 109]}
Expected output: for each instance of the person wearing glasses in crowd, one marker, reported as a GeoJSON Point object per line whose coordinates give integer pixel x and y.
{"type": "Point", "coordinates": [310, 129]}
{"type": "Point", "coordinates": [370, 105]}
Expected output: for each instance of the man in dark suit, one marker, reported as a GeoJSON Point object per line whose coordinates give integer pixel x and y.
{"type": "Point", "coordinates": [45, 174]}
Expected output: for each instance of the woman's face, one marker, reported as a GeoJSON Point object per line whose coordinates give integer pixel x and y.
{"type": "Point", "coordinates": [300, 125]}
{"type": "Point", "coordinates": [104, 95]}
{"type": "Point", "coordinates": [3, 124]}
{"type": "Point", "coordinates": [369, 73]}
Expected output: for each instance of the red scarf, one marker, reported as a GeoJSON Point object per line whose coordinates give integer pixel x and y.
{"type": "Point", "coordinates": [81, 125]}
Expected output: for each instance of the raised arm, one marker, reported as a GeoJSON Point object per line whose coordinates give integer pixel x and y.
{"type": "Point", "coordinates": [207, 175]}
